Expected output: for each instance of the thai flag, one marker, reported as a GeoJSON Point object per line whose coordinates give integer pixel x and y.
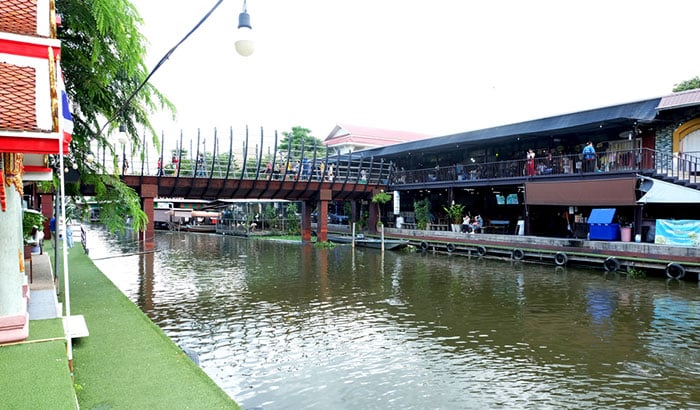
{"type": "Point", "coordinates": [66, 118]}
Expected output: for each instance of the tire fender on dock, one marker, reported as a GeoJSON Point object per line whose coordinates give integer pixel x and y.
{"type": "Point", "coordinates": [518, 254]}
{"type": "Point", "coordinates": [560, 259]}
{"type": "Point", "coordinates": [675, 271]}
{"type": "Point", "coordinates": [611, 264]}
{"type": "Point", "coordinates": [480, 250]}
{"type": "Point", "coordinates": [424, 245]}
{"type": "Point", "coordinates": [450, 247]}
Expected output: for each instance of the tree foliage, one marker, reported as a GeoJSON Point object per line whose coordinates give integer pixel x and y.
{"type": "Point", "coordinates": [102, 58]}
{"type": "Point", "coordinates": [691, 84]}
{"type": "Point", "coordinates": [296, 136]}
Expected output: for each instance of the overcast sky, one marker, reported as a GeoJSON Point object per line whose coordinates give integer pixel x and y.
{"type": "Point", "coordinates": [437, 67]}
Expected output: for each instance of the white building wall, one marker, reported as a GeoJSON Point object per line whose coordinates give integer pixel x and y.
{"type": "Point", "coordinates": [11, 253]}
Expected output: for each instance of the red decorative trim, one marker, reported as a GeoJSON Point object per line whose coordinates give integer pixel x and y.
{"type": "Point", "coordinates": [25, 49]}
{"type": "Point", "coordinates": [32, 145]}
{"type": "Point", "coordinates": [3, 197]}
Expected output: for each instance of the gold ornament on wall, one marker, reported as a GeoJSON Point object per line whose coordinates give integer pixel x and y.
{"type": "Point", "coordinates": [21, 261]}
{"type": "Point", "coordinates": [14, 168]}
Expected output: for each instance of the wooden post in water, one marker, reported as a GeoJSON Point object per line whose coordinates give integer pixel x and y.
{"type": "Point", "coordinates": [382, 238]}
{"type": "Point", "coordinates": [353, 234]}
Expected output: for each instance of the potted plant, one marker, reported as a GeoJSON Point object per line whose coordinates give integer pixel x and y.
{"type": "Point", "coordinates": [455, 212]}
{"type": "Point", "coordinates": [422, 211]}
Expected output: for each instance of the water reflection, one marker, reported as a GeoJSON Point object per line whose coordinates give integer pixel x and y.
{"type": "Point", "coordinates": [281, 325]}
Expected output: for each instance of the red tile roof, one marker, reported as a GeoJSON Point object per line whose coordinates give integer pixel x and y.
{"type": "Point", "coordinates": [370, 137]}
{"type": "Point", "coordinates": [17, 98]}
{"type": "Point", "coordinates": [19, 17]}
{"type": "Point", "coordinates": [680, 99]}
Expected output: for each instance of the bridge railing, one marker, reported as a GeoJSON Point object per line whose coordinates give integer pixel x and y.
{"type": "Point", "coordinates": [273, 162]}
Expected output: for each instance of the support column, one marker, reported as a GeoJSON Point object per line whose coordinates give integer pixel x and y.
{"type": "Point", "coordinates": [148, 236]}
{"type": "Point", "coordinates": [47, 211]}
{"type": "Point", "coordinates": [322, 225]}
{"type": "Point", "coordinates": [306, 210]}
{"type": "Point", "coordinates": [527, 220]}
{"type": "Point", "coordinates": [14, 319]}
{"type": "Point", "coordinates": [638, 219]}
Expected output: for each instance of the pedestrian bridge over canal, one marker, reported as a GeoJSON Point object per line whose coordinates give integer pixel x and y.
{"type": "Point", "coordinates": [351, 180]}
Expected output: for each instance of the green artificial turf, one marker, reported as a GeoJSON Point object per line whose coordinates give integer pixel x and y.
{"type": "Point", "coordinates": [45, 329]}
{"type": "Point", "coordinates": [127, 361]}
{"type": "Point", "coordinates": [36, 376]}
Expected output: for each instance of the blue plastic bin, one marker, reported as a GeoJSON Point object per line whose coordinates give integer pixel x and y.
{"type": "Point", "coordinates": [601, 227]}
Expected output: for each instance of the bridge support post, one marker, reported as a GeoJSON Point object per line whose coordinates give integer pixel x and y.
{"type": "Point", "coordinates": [322, 223]}
{"type": "Point", "coordinates": [306, 210]}
{"type": "Point", "coordinates": [148, 236]}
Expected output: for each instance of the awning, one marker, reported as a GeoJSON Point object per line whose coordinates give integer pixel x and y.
{"type": "Point", "coordinates": [597, 192]}
{"type": "Point", "coordinates": [662, 192]}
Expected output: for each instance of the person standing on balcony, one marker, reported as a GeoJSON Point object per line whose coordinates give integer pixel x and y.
{"type": "Point", "coordinates": [530, 165]}
{"type": "Point", "coordinates": [589, 157]}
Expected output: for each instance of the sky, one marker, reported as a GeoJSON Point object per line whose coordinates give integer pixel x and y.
{"type": "Point", "coordinates": [436, 67]}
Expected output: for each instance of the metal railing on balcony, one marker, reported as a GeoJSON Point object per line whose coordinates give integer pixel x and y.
{"type": "Point", "coordinates": [683, 167]}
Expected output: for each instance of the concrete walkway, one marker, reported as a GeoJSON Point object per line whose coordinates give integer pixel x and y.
{"type": "Point", "coordinates": [43, 302]}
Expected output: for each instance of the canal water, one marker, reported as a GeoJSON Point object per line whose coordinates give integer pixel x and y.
{"type": "Point", "coordinates": [291, 326]}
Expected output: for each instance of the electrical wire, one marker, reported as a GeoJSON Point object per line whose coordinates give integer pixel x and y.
{"type": "Point", "coordinates": [158, 65]}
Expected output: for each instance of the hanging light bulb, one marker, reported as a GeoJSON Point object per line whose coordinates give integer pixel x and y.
{"type": "Point", "coordinates": [244, 44]}
{"type": "Point", "coordinates": [122, 134]}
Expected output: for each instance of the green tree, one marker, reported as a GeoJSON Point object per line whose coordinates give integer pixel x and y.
{"type": "Point", "coordinates": [296, 136]}
{"type": "Point", "coordinates": [292, 220]}
{"type": "Point", "coordinates": [102, 57]}
{"type": "Point", "coordinates": [381, 198]}
{"type": "Point", "coordinates": [691, 84]}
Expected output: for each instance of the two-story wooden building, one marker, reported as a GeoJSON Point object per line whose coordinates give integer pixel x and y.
{"type": "Point", "coordinates": [645, 166]}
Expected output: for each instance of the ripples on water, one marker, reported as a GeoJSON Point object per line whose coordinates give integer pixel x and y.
{"type": "Point", "coordinates": [289, 326]}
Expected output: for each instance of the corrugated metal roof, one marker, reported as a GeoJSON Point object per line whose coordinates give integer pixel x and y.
{"type": "Point", "coordinates": [681, 99]}
{"type": "Point", "coordinates": [583, 121]}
